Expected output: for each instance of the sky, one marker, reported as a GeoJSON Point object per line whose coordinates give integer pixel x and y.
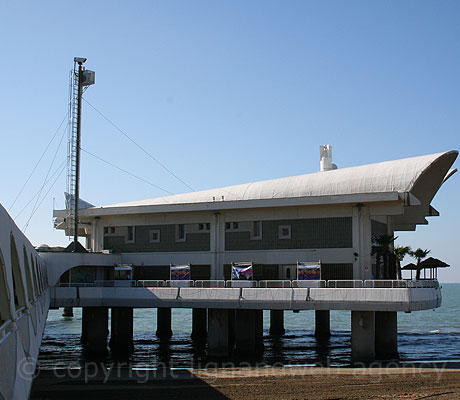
{"type": "Point", "coordinates": [222, 93]}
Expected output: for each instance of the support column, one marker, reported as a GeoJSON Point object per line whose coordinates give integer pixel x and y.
{"type": "Point", "coordinates": [249, 331]}
{"type": "Point", "coordinates": [386, 334]}
{"type": "Point", "coordinates": [277, 322]}
{"type": "Point", "coordinates": [362, 242]}
{"type": "Point", "coordinates": [164, 331]}
{"type": "Point", "coordinates": [97, 319]}
{"type": "Point", "coordinates": [217, 246]}
{"type": "Point", "coordinates": [218, 332]}
{"type": "Point", "coordinates": [121, 333]}
{"type": "Point", "coordinates": [199, 324]}
{"type": "Point", "coordinates": [84, 324]}
{"type": "Point", "coordinates": [322, 324]}
{"type": "Point", "coordinates": [362, 336]}
{"type": "Point", "coordinates": [68, 312]}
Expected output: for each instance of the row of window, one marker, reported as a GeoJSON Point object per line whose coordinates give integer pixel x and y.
{"type": "Point", "coordinates": [255, 227]}
{"type": "Point", "coordinates": [27, 288]}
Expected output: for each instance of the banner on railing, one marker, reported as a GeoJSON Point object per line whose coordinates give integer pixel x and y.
{"type": "Point", "coordinates": [308, 271]}
{"type": "Point", "coordinates": [242, 271]}
{"type": "Point", "coordinates": [180, 272]}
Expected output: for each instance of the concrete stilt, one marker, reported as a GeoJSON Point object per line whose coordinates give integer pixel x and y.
{"type": "Point", "coordinates": [199, 324]}
{"type": "Point", "coordinates": [164, 331]}
{"type": "Point", "coordinates": [97, 319]}
{"type": "Point", "coordinates": [84, 324]}
{"type": "Point", "coordinates": [259, 330]}
{"type": "Point", "coordinates": [362, 336]}
{"type": "Point", "coordinates": [219, 332]}
{"type": "Point", "coordinates": [386, 334]}
{"type": "Point", "coordinates": [322, 324]}
{"type": "Point", "coordinates": [277, 322]}
{"type": "Point", "coordinates": [121, 332]}
{"type": "Point", "coordinates": [249, 331]}
{"type": "Point", "coordinates": [68, 312]}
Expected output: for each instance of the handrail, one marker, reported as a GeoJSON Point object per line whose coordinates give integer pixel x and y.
{"type": "Point", "coordinates": [336, 284]}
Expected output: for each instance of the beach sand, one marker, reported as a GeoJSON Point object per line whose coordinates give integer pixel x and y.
{"type": "Point", "coordinates": [253, 383]}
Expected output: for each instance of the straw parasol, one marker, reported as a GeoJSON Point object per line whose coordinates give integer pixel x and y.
{"type": "Point", "coordinates": [433, 263]}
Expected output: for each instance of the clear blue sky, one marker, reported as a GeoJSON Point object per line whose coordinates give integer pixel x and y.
{"type": "Point", "coordinates": [227, 92]}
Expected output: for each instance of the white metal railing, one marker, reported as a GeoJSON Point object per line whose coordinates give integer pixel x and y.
{"type": "Point", "coordinates": [5, 328]}
{"type": "Point", "coordinates": [338, 284]}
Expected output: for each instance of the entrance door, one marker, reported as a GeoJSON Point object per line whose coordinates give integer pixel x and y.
{"type": "Point", "coordinates": [289, 272]}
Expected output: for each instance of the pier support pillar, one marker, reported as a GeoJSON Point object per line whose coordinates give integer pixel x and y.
{"type": "Point", "coordinates": [121, 333]}
{"type": "Point", "coordinates": [84, 324]}
{"type": "Point", "coordinates": [386, 334]}
{"type": "Point", "coordinates": [68, 312]}
{"type": "Point", "coordinates": [249, 331]}
{"type": "Point", "coordinates": [277, 322]}
{"type": "Point", "coordinates": [322, 324]}
{"type": "Point", "coordinates": [199, 324]}
{"type": "Point", "coordinates": [97, 319]}
{"type": "Point", "coordinates": [219, 332]}
{"type": "Point", "coordinates": [362, 336]}
{"type": "Point", "coordinates": [164, 331]}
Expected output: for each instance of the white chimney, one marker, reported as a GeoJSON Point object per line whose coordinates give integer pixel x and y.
{"type": "Point", "coordinates": [325, 156]}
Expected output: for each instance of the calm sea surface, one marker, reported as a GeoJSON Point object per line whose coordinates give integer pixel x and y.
{"type": "Point", "coordinates": [423, 336]}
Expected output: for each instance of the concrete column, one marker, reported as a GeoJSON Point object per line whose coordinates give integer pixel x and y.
{"type": "Point", "coordinates": [121, 333]}
{"type": "Point", "coordinates": [249, 331]}
{"type": "Point", "coordinates": [219, 332]}
{"type": "Point", "coordinates": [68, 312]}
{"type": "Point", "coordinates": [386, 334]}
{"type": "Point", "coordinates": [362, 336]}
{"type": "Point", "coordinates": [362, 242]}
{"type": "Point", "coordinates": [96, 329]}
{"type": "Point", "coordinates": [199, 324]}
{"type": "Point", "coordinates": [259, 329]}
{"type": "Point", "coordinates": [322, 323]}
{"type": "Point", "coordinates": [277, 322]}
{"type": "Point", "coordinates": [217, 246]}
{"type": "Point", "coordinates": [84, 324]}
{"type": "Point", "coordinates": [164, 331]}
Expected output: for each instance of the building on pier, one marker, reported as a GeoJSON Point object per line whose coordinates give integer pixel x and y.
{"type": "Point", "coordinates": [330, 215]}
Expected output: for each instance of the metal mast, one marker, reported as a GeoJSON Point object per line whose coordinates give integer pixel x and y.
{"type": "Point", "coordinates": [80, 79]}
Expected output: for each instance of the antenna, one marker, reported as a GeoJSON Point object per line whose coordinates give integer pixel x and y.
{"type": "Point", "coordinates": [80, 79]}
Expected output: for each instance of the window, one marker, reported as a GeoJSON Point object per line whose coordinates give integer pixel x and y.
{"type": "Point", "coordinates": [235, 225]}
{"type": "Point", "coordinates": [155, 236]}
{"type": "Point", "coordinates": [106, 230]}
{"type": "Point", "coordinates": [112, 229]}
{"type": "Point", "coordinates": [180, 233]}
{"type": "Point", "coordinates": [200, 227]}
{"type": "Point", "coordinates": [284, 232]}
{"type": "Point", "coordinates": [256, 230]}
{"type": "Point", "coordinates": [227, 226]}
{"type": "Point", "coordinates": [208, 226]}
{"type": "Point", "coordinates": [130, 234]}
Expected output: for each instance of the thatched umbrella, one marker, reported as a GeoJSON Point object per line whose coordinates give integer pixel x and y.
{"type": "Point", "coordinates": [433, 263]}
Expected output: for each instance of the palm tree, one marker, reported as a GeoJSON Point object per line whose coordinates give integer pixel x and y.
{"type": "Point", "coordinates": [419, 254]}
{"type": "Point", "coordinates": [382, 249]}
{"type": "Point", "coordinates": [400, 252]}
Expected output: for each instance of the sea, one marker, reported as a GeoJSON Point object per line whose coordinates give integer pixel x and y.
{"type": "Point", "coordinates": [424, 338]}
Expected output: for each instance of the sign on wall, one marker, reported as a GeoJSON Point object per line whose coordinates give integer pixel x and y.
{"type": "Point", "coordinates": [180, 272]}
{"type": "Point", "coordinates": [308, 271]}
{"type": "Point", "coordinates": [242, 271]}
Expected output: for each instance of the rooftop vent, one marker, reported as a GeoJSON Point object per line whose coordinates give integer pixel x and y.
{"type": "Point", "coordinates": [325, 157]}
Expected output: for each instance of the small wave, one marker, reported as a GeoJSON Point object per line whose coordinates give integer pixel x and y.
{"type": "Point", "coordinates": [435, 331]}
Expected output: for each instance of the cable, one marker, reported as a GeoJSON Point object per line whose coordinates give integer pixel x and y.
{"type": "Point", "coordinates": [126, 172]}
{"type": "Point", "coordinates": [38, 162]}
{"type": "Point", "coordinates": [140, 147]}
{"type": "Point", "coordinates": [46, 177]}
{"type": "Point", "coordinates": [44, 197]}
{"type": "Point", "coordinates": [61, 166]}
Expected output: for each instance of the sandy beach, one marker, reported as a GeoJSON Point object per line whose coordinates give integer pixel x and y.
{"type": "Point", "coordinates": [253, 383]}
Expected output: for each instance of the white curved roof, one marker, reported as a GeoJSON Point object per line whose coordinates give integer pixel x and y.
{"type": "Point", "coordinates": [397, 176]}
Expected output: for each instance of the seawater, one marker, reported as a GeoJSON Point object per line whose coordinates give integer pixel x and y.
{"type": "Point", "coordinates": [430, 336]}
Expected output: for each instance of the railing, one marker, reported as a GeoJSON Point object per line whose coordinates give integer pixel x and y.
{"type": "Point", "coordinates": [338, 284]}
{"type": "Point", "coordinates": [5, 328]}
